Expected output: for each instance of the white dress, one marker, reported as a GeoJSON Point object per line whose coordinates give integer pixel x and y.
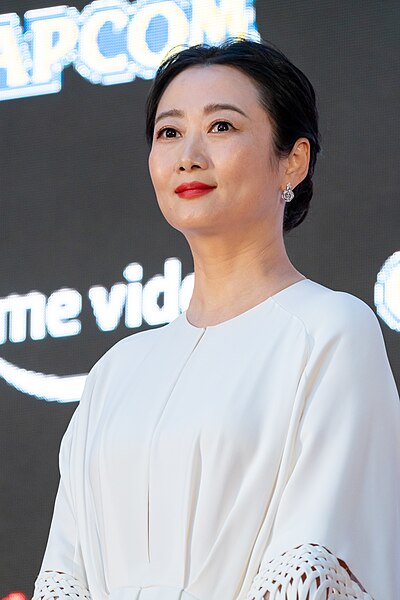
{"type": "Point", "coordinates": [225, 462]}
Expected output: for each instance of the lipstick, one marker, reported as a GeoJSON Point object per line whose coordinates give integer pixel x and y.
{"type": "Point", "coordinates": [193, 189]}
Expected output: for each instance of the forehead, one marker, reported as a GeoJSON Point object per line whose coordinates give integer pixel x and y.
{"type": "Point", "coordinates": [200, 85]}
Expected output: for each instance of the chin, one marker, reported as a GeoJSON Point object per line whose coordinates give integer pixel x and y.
{"type": "Point", "coordinates": [188, 216]}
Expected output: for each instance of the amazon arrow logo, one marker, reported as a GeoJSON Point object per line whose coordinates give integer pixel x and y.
{"type": "Point", "coordinates": [58, 316]}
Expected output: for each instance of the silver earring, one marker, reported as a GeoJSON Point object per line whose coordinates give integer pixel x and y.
{"type": "Point", "coordinates": [288, 194]}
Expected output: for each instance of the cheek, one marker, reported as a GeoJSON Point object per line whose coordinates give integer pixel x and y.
{"type": "Point", "coordinates": [248, 165]}
{"type": "Point", "coordinates": [231, 160]}
{"type": "Point", "coordinates": [160, 178]}
{"type": "Point", "coordinates": [161, 166]}
{"type": "Point", "coordinates": [153, 167]}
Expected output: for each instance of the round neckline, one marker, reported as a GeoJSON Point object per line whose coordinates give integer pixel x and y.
{"type": "Point", "coordinates": [246, 312]}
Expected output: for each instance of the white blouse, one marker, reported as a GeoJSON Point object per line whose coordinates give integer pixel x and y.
{"type": "Point", "coordinates": [234, 462]}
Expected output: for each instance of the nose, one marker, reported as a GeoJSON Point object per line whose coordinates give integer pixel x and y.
{"type": "Point", "coordinates": [192, 156]}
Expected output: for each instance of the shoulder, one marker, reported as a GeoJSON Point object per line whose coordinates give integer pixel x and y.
{"type": "Point", "coordinates": [329, 313]}
{"type": "Point", "coordinates": [130, 348]}
{"type": "Point", "coordinates": [346, 344]}
{"type": "Point", "coordinates": [119, 363]}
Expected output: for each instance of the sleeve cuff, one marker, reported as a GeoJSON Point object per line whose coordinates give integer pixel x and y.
{"type": "Point", "coordinates": [308, 571]}
{"type": "Point", "coordinates": [51, 585]}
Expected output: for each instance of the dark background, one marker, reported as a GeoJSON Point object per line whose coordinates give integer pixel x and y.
{"type": "Point", "coordinates": [77, 206]}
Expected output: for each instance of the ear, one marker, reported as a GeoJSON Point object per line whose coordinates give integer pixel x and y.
{"type": "Point", "coordinates": [297, 162]}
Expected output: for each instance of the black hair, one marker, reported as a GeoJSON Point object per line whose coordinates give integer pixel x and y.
{"type": "Point", "coordinates": [285, 92]}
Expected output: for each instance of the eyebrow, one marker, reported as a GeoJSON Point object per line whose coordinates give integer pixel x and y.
{"type": "Point", "coordinates": [208, 109]}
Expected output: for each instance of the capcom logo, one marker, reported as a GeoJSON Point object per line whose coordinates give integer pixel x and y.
{"type": "Point", "coordinates": [110, 41]}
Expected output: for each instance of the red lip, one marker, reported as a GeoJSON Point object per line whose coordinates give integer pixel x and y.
{"type": "Point", "coordinates": [193, 185]}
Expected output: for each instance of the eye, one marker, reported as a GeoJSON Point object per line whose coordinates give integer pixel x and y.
{"type": "Point", "coordinates": [222, 126]}
{"type": "Point", "coordinates": [167, 131]}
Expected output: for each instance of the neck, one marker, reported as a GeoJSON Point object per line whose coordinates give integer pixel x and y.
{"type": "Point", "coordinates": [232, 276]}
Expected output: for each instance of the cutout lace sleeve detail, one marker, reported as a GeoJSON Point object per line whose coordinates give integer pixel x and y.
{"type": "Point", "coordinates": [51, 585]}
{"type": "Point", "coordinates": [309, 572]}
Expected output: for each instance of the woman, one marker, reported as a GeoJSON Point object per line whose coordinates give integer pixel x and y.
{"type": "Point", "coordinates": [250, 448]}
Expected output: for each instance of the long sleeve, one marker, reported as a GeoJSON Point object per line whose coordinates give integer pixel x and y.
{"type": "Point", "coordinates": [62, 573]}
{"type": "Point", "coordinates": [339, 509]}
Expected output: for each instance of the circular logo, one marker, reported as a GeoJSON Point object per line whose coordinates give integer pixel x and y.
{"type": "Point", "coordinates": [387, 292]}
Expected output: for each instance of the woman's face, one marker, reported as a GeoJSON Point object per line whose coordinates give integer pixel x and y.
{"type": "Point", "coordinates": [199, 138]}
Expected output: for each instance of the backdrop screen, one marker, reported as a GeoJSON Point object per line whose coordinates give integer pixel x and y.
{"type": "Point", "coordinates": [86, 256]}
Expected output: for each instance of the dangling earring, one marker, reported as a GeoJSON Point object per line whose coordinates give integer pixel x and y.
{"type": "Point", "coordinates": [288, 194]}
